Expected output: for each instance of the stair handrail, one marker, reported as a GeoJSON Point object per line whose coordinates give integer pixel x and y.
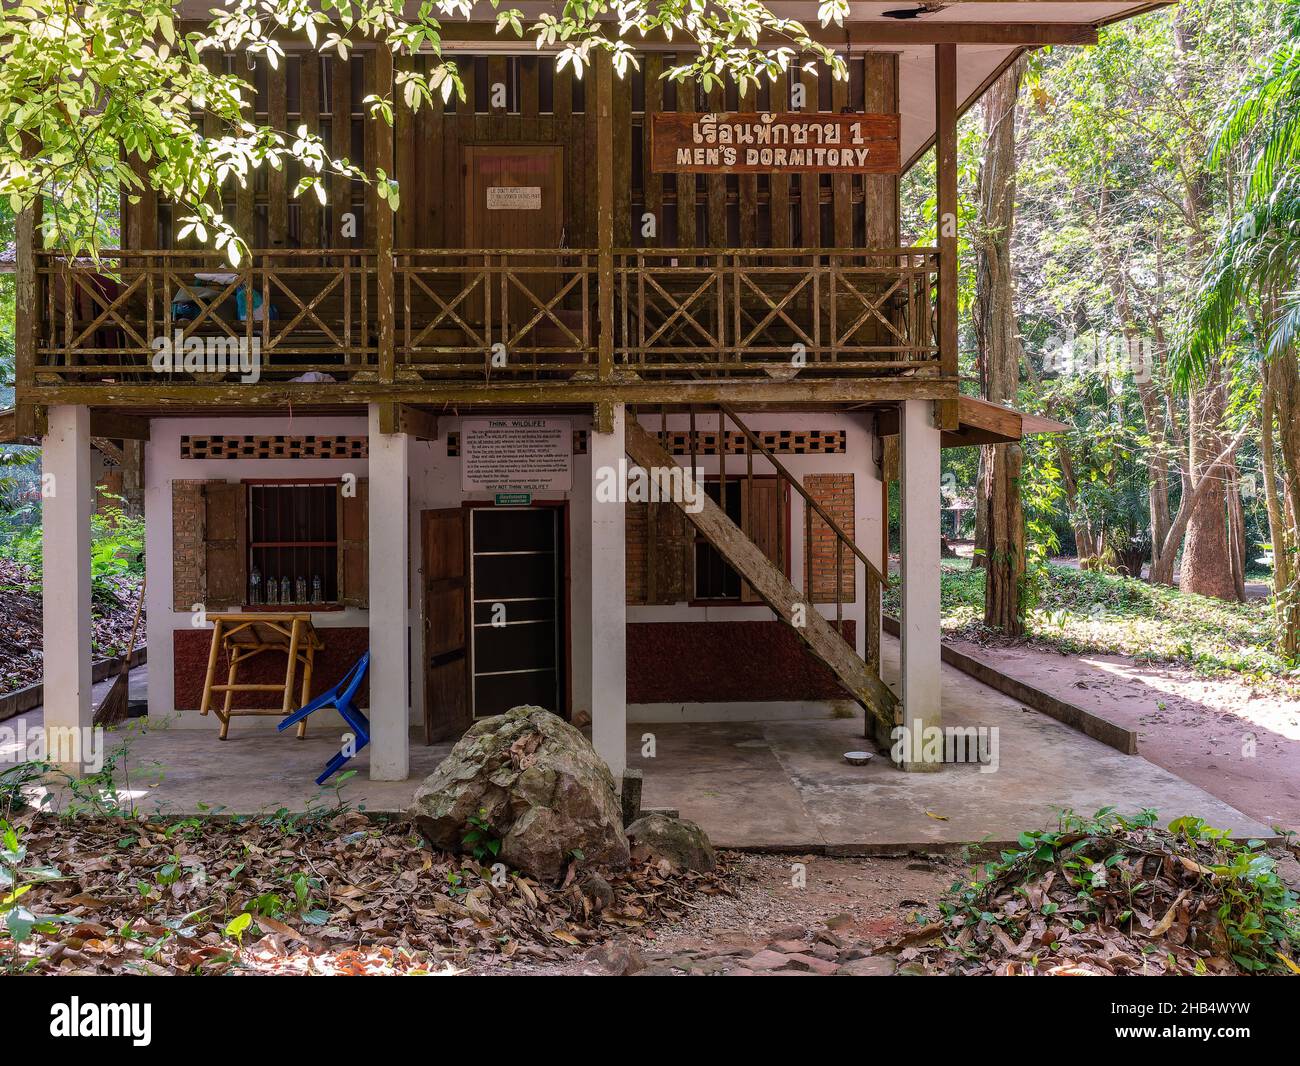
{"type": "Point", "coordinates": [808, 498]}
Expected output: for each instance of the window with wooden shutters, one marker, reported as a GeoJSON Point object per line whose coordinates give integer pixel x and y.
{"type": "Point", "coordinates": [669, 545]}
{"type": "Point", "coordinates": [224, 544]}
{"type": "Point", "coordinates": [354, 547]}
{"type": "Point", "coordinates": [293, 542]}
{"type": "Point", "coordinates": [759, 507]}
{"type": "Point", "coordinates": [222, 530]}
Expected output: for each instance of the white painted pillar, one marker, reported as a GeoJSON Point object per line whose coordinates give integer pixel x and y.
{"type": "Point", "coordinates": [65, 523]}
{"type": "Point", "coordinates": [158, 552]}
{"type": "Point", "coordinates": [919, 486]}
{"type": "Point", "coordinates": [389, 603]}
{"type": "Point", "coordinates": [608, 605]}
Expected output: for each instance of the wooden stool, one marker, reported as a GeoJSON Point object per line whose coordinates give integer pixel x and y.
{"type": "Point", "coordinates": [244, 636]}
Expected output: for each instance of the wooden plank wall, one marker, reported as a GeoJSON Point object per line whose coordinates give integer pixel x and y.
{"type": "Point", "coordinates": [542, 106]}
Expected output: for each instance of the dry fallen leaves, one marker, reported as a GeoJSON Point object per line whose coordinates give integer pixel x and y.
{"type": "Point", "coordinates": [351, 895]}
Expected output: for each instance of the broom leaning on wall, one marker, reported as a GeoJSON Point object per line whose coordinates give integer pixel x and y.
{"type": "Point", "coordinates": [114, 707]}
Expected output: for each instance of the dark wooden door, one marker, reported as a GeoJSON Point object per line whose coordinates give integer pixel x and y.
{"type": "Point", "coordinates": [518, 609]}
{"type": "Point", "coordinates": [446, 664]}
{"type": "Point", "coordinates": [514, 196]}
{"type": "Point", "coordinates": [514, 200]}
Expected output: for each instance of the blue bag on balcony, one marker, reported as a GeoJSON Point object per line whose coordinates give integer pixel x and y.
{"type": "Point", "coordinates": [241, 304]}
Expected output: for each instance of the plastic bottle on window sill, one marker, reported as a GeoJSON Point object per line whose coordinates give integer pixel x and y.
{"type": "Point", "coordinates": [300, 589]}
{"type": "Point", "coordinates": [272, 592]}
{"type": "Point", "coordinates": [255, 587]}
{"type": "Point", "coordinates": [316, 596]}
{"type": "Point", "coordinates": [286, 590]}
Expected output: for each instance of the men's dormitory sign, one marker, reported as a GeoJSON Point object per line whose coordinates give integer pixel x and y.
{"type": "Point", "coordinates": [809, 143]}
{"type": "Point", "coordinates": [516, 455]}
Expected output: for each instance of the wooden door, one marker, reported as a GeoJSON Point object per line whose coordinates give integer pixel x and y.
{"type": "Point", "coordinates": [514, 200]}
{"type": "Point", "coordinates": [514, 196]}
{"type": "Point", "coordinates": [446, 660]}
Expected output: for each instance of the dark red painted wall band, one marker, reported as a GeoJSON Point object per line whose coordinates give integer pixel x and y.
{"type": "Point", "coordinates": [342, 648]}
{"type": "Point", "coordinates": [715, 662]}
{"type": "Point", "coordinates": [667, 662]}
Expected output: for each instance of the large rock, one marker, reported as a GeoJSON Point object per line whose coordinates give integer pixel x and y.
{"type": "Point", "coordinates": [545, 791]}
{"type": "Point", "coordinates": [683, 844]}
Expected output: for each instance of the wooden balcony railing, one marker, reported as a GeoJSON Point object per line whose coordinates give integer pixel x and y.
{"type": "Point", "coordinates": [779, 312]}
{"type": "Point", "coordinates": [489, 315]}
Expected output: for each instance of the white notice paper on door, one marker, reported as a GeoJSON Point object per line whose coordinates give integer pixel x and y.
{"type": "Point", "coordinates": [514, 198]}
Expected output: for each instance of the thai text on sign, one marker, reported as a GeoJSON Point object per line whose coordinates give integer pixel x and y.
{"type": "Point", "coordinates": [747, 143]}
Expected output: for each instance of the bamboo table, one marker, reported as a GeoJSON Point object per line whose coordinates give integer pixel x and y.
{"type": "Point", "coordinates": [244, 636]}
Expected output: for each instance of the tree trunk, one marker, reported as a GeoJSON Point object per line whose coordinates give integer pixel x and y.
{"type": "Point", "coordinates": [1282, 396]}
{"type": "Point", "coordinates": [133, 477]}
{"type": "Point", "coordinates": [1236, 531]}
{"type": "Point", "coordinates": [1206, 566]}
{"type": "Point", "coordinates": [1000, 516]}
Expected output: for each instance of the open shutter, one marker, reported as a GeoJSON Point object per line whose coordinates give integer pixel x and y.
{"type": "Point", "coordinates": [761, 503]}
{"type": "Point", "coordinates": [354, 545]}
{"type": "Point", "coordinates": [670, 549]}
{"type": "Point", "coordinates": [225, 505]}
{"type": "Point", "coordinates": [188, 538]}
{"type": "Point", "coordinates": [446, 659]}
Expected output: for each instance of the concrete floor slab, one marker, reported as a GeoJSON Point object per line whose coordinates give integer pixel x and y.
{"type": "Point", "coordinates": [780, 785]}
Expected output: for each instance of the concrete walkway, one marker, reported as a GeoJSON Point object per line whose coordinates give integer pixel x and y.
{"type": "Point", "coordinates": [780, 785]}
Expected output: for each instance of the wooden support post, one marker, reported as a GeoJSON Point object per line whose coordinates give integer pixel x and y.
{"type": "Point", "coordinates": [383, 217]}
{"type": "Point", "coordinates": [277, 196]}
{"type": "Point", "coordinates": [945, 97]}
{"type": "Point", "coordinates": [605, 211]}
{"type": "Point", "coordinates": [26, 315]}
{"type": "Point", "coordinates": [310, 109]}
{"type": "Point", "coordinates": [340, 146]}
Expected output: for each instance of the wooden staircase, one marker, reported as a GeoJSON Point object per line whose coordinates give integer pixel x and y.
{"type": "Point", "coordinates": [859, 678]}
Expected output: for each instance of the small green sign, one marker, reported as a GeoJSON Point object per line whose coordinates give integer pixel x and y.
{"type": "Point", "coordinates": [514, 499]}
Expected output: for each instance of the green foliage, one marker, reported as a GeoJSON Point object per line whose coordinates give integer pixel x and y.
{"type": "Point", "coordinates": [1250, 282]}
{"type": "Point", "coordinates": [17, 878]}
{"type": "Point", "coordinates": [1258, 912]}
{"type": "Point", "coordinates": [116, 550]}
{"type": "Point", "coordinates": [1089, 612]}
{"type": "Point", "coordinates": [111, 93]}
{"type": "Point", "coordinates": [480, 838]}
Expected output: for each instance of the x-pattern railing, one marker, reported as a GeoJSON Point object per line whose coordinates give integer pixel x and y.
{"type": "Point", "coordinates": [301, 311]}
{"type": "Point", "coordinates": [477, 314]}
{"type": "Point", "coordinates": [760, 310]}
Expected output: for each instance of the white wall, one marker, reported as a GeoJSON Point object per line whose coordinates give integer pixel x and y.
{"type": "Point", "coordinates": [435, 483]}
{"type": "Point", "coordinates": [163, 464]}
{"type": "Point", "coordinates": [859, 459]}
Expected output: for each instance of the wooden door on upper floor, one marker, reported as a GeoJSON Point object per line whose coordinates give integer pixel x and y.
{"type": "Point", "coordinates": [514, 199]}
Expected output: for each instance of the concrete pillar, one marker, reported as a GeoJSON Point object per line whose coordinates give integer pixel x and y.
{"type": "Point", "coordinates": [159, 549]}
{"type": "Point", "coordinates": [389, 604]}
{"type": "Point", "coordinates": [608, 605]}
{"type": "Point", "coordinates": [65, 523]}
{"type": "Point", "coordinates": [919, 493]}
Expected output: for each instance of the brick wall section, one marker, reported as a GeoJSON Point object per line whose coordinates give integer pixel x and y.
{"type": "Point", "coordinates": [636, 523]}
{"type": "Point", "coordinates": [188, 546]}
{"type": "Point", "coordinates": [835, 493]}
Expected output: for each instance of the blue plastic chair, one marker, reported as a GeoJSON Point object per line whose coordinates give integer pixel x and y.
{"type": "Point", "coordinates": [340, 698]}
